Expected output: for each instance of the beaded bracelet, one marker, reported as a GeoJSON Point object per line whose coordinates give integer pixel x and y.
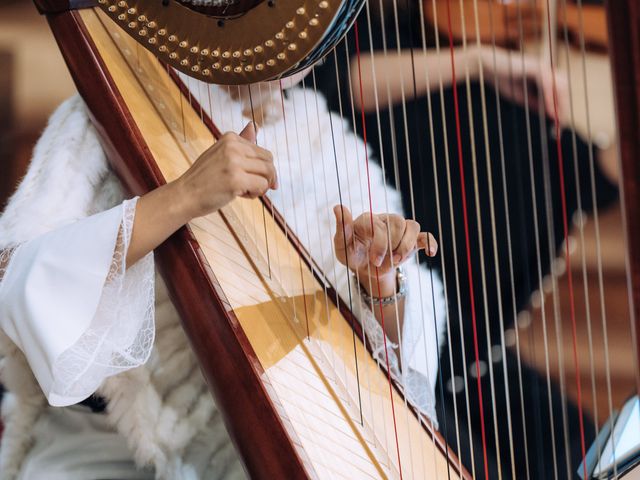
{"type": "Point", "coordinates": [401, 291]}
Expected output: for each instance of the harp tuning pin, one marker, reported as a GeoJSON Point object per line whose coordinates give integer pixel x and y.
{"type": "Point", "coordinates": [151, 24]}
{"type": "Point", "coordinates": [142, 33]}
{"type": "Point", "coordinates": [102, 2]}
{"type": "Point", "coordinates": [173, 55]}
{"type": "Point", "coordinates": [162, 48]}
{"type": "Point", "coordinates": [112, 8]}
{"type": "Point", "coordinates": [248, 52]}
{"type": "Point", "coordinates": [132, 24]}
{"type": "Point", "coordinates": [215, 53]}
{"type": "Point", "coordinates": [216, 66]}
{"type": "Point", "coordinates": [237, 69]}
{"type": "Point", "coordinates": [226, 68]}
{"type": "Point", "coordinates": [292, 46]}
{"type": "Point", "coordinates": [226, 54]}
{"type": "Point", "coordinates": [268, 43]}
{"type": "Point", "coordinates": [142, 18]}
{"type": "Point", "coordinates": [289, 24]}
{"type": "Point", "coordinates": [258, 49]}
{"type": "Point", "coordinates": [271, 62]}
{"type": "Point", "coordinates": [279, 35]}
{"type": "Point", "coordinates": [302, 35]}
{"type": "Point", "coordinates": [131, 11]}
{"type": "Point", "coordinates": [323, 4]}
{"type": "Point", "coordinates": [313, 22]}
{"type": "Point", "coordinates": [300, 11]}
{"type": "Point", "coordinates": [281, 56]}
{"type": "Point", "coordinates": [206, 72]}
{"type": "Point", "coordinates": [259, 67]}
{"type": "Point", "coordinates": [195, 68]}
{"type": "Point", "coordinates": [248, 68]}
{"type": "Point", "coordinates": [204, 52]}
{"type": "Point", "coordinates": [236, 54]}
{"type": "Point", "coordinates": [184, 62]}
{"type": "Point", "coordinates": [152, 41]}
{"type": "Point", "coordinates": [162, 32]}
{"type": "Point", "coordinates": [121, 4]}
{"type": "Point", "coordinates": [183, 44]}
{"type": "Point", "coordinates": [122, 17]}
{"type": "Point", "coordinates": [194, 49]}
{"type": "Point", "coordinates": [172, 38]}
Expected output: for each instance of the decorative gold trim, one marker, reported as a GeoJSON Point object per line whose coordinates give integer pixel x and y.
{"type": "Point", "coordinates": [262, 44]}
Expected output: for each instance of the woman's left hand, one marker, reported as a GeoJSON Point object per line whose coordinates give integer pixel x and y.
{"type": "Point", "coordinates": [381, 241]}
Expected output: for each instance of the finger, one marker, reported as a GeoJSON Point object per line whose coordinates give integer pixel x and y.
{"type": "Point", "coordinates": [427, 242]}
{"type": "Point", "coordinates": [253, 186]}
{"type": "Point", "coordinates": [344, 227]}
{"type": "Point", "coordinates": [264, 169]}
{"type": "Point", "coordinates": [397, 225]}
{"type": "Point", "coordinates": [249, 132]}
{"type": "Point", "coordinates": [253, 150]}
{"type": "Point", "coordinates": [408, 241]}
{"type": "Point", "coordinates": [379, 242]}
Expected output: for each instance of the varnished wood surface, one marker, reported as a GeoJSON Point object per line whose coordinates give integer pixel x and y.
{"type": "Point", "coordinates": [268, 304]}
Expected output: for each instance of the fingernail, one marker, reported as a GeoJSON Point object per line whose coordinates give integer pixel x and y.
{"type": "Point", "coordinates": [432, 251]}
{"type": "Point", "coordinates": [379, 260]}
{"type": "Point", "coordinates": [397, 257]}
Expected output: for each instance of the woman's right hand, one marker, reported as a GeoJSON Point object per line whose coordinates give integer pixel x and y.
{"type": "Point", "coordinates": [233, 167]}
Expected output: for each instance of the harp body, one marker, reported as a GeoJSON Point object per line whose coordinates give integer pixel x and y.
{"type": "Point", "coordinates": [291, 409]}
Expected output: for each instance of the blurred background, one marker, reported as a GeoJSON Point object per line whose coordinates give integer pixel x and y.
{"type": "Point", "coordinates": [34, 80]}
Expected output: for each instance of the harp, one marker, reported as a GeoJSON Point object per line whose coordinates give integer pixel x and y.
{"type": "Point", "coordinates": [249, 290]}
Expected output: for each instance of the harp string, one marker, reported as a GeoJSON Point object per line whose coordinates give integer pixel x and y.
{"type": "Point", "coordinates": [289, 157]}
{"type": "Point", "coordinates": [387, 209]}
{"type": "Point", "coordinates": [552, 269]}
{"type": "Point", "coordinates": [442, 249]}
{"type": "Point", "coordinates": [509, 252]}
{"type": "Point", "coordinates": [481, 244]}
{"type": "Point", "coordinates": [264, 217]}
{"type": "Point", "coordinates": [523, 239]}
{"type": "Point", "coordinates": [315, 176]}
{"type": "Point", "coordinates": [420, 160]}
{"type": "Point", "coordinates": [565, 225]}
{"type": "Point", "coordinates": [377, 276]}
{"type": "Point", "coordinates": [467, 245]}
{"type": "Point", "coordinates": [580, 227]}
{"type": "Point", "coordinates": [548, 46]}
{"type": "Point", "coordinates": [456, 269]}
{"type": "Point", "coordinates": [326, 176]}
{"type": "Point", "coordinates": [596, 220]}
{"type": "Point", "coordinates": [348, 182]}
{"type": "Point", "coordinates": [331, 246]}
{"type": "Point", "coordinates": [384, 178]}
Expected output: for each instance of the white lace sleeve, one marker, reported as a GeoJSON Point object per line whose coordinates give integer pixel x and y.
{"type": "Point", "coordinates": [73, 307]}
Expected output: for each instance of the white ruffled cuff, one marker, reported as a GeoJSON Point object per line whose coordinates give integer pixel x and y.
{"type": "Point", "coordinates": [71, 305]}
{"type": "Point", "coordinates": [414, 376]}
